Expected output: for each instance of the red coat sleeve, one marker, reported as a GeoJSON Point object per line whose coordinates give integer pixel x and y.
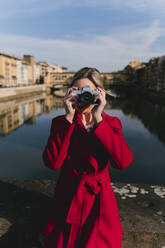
{"type": "Point", "coordinates": [57, 145]}
{"type": "Point", "coordinates": [110, 134]}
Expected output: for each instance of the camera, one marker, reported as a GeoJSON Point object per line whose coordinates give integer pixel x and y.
{"type": "Point", "coordinates": [86, 96]}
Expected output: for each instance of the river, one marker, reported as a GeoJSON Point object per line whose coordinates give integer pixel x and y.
{"type": "Point", "coordinates": [25, 125]}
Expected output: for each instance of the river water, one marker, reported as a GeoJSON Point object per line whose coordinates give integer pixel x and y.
{"type": "Point", "coordinates": [25, 125]}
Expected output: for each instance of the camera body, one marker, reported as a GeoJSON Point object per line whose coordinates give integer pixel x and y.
{"type": "Point", "coordinates": [86, 96]}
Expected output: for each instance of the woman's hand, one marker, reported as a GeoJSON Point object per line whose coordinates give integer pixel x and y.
{"type": "Point", "coordinates": [70, 101]}
{"type": "Point", "coordinates": [97, 110]}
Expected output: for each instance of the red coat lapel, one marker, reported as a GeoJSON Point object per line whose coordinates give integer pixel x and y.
{"type": "Point", "coordinates": [78, 120]}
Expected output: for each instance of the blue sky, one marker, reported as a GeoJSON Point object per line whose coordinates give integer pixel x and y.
{"type": "Point", "coordinates": [106, 34]}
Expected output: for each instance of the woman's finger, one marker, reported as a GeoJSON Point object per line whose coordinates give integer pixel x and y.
{"type": "Point", "coordinates": [101, 90]}
{"type": "Point", "coordinates": [69, 90]}
{"type": "Point", "coordinates": [71, 97]}
{"type": "Point", "coordinates": [97, 97]}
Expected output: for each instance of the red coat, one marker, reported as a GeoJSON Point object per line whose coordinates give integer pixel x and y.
{"type": "Point", "coordinates": [84, 212]}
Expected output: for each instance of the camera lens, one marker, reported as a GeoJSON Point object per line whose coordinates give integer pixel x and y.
{"type": "Point", "coordinates": [86, 98]}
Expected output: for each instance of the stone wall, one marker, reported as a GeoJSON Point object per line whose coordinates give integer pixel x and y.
{"type": "Point", "coordinates": [17, 91]}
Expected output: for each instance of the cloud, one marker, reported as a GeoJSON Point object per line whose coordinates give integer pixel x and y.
{"type": "Point", "coordinates": [105, 52]}
{"type": "Point", "coordinates": [23, 8]}
{"type": "Point", "coordinates": [136, 5]}
{"type": "Point", "coordinates": [156, 6]}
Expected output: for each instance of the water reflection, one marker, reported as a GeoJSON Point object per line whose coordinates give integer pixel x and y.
{"type": "Point", "coordinates": [150, 113]}
{"type": "Point", "coordinates": [25, 125]}
{"type": "Point", "coordinates": [15, 113]}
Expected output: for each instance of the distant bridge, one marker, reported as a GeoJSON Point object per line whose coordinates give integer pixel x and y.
{"type": "Point", "coordinates": [58, 78]}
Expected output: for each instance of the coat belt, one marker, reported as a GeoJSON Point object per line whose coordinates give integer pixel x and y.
{"type": "Point", "coordinates": [83, 200]}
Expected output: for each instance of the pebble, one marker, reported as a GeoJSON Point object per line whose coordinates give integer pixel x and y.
{"type": "Point", "coordinates": [134, 189]}
{"type": "Point", "coordinates": [123, 197]}
{"type": "Point", "coordinates": [160, 191]}
{"type": "Point", "coordinates": [126, 191]}
{"type": "Point", "coordinates": [143, 191]}
{"type": "Point", "coordinates": [159, 212]}
{"type": "Point", "coordinates": [131, 195]}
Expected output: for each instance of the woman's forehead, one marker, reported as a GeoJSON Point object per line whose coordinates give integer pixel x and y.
{"type": "Point", "coordinates": [83, 82]}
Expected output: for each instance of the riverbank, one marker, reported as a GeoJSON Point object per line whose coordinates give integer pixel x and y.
{"type": "Point", "coordinates": [17, 92]}
{"type": "Point", "coordinates": [24, 206]}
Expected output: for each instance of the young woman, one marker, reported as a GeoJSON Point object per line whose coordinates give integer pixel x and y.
{"type": "Point", "coordinates": [84, 143]}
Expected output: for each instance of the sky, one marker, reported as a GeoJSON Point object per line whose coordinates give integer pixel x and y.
{"type": "Point", "coordinates": [105, 34]}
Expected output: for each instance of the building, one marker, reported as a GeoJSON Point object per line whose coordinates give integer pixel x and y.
{"type": "Point", "coordinates": [22, 71]}
{"type": "Point", "coordinates": [152, 76]}
{"type": "Point", "coordinates": [8, 69]}
{"type": "Point", "coordinates": [161, 74]}
{"type": "Point", "coordinates": [15, 71]}
{"type": "Point", "coordinates": [44, 71]}
{"type": "Point", "coordinates": [31, 68]}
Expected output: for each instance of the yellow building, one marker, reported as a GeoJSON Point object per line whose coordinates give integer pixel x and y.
{"type": "Point", "coordinates": [8, 69]}
{"type": "Point", "coordinates": [15, 71]}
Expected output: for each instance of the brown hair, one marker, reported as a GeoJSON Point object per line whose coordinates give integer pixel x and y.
{"type": "Point", "coordinates": [92, 74]}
